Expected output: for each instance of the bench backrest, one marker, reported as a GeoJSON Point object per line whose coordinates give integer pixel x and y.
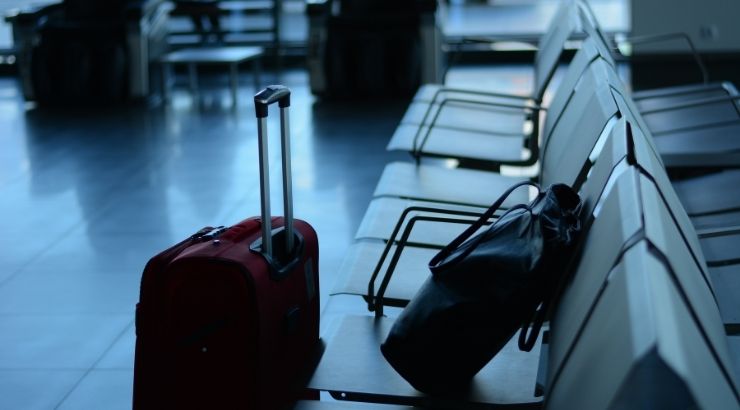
{"type": "Point", "coordinates": [638, 324]}
{"type": "Point", "coordinates": [602, 46]}
{"type": "Point", "coordinates": [649, 162]}
{"type": "Point", "coordinates": [639, 347]}
{"type": "Point", "coordinates": [648, 159]}
{"type": "Point", "coordinates": [578, 65]}
{"type": "Point", "coordinates": [551, 45]}
{"type": "Point", "coordinates": [586, 118]}
{"type": "Point", "coordinates": [591, 27]}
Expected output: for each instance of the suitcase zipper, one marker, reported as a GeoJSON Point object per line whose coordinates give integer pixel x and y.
{"type": "Point", "coordinates": [221, 236]}
{"type": "Point", "coordinates": [208, 233]}
{"type": "Point", "coordinates": [177, 249]}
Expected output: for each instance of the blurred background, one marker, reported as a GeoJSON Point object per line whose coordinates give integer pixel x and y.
{"type": "Point", "coordinates": [128, 125]}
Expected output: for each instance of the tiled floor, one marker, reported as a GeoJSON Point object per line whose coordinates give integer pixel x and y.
{"type": "Point", "coordinates": [87, 196]}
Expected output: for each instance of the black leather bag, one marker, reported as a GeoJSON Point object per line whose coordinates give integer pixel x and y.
{"type": "Point", "coordinates": [483, 289]}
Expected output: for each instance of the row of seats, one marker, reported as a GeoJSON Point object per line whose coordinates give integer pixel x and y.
{"type": "Point", "coordinates": [650, 315]}
{"type": "Point", "coordinates": [672, 115]}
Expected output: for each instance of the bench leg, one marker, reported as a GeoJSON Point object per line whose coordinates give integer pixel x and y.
{"type": "Point", "coordinates": [165, 82]}
{"type": "Point", "coordinates": [257, 71]}
{"type": "Point", "coordinates": [234, 83]}
{"type": "Point", "coordinates": [193, 73]}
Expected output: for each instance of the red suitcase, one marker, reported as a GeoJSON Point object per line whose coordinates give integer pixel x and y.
{"type": "Point", "coordinates": [227, 318]}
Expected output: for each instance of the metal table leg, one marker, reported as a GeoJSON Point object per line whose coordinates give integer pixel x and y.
{"type": "Point", "coordinates": [165, 82]}
{"type": "Point", "coordinates": [257, 71]}
{"type": "Point", "coordinates": [234, 82]}
{"type": "Point", "coordinates": [193, 73]}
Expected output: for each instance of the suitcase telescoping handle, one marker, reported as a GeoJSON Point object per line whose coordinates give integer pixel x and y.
{"type": "Point", "coordinates": [262, 100]}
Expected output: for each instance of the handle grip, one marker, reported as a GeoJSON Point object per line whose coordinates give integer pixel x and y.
{"type": "Point", "coordinates": [262, 100]}
{"type": "Point", "coordinates": [270, 95]}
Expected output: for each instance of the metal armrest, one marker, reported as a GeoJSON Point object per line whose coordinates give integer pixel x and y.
{"type": "Point", "coordinates": [672, 36]}
{"type": "Point", "coordinates": [371, 300]}
{"type": "Point", "coordinates": [716, 232]}
{"type": "Point", "coordinates": [493, 40]}
{"type": "Point", "coordinates": [418, 146]}
{"type": "Point", "coordinates": [378, 300]}
{"type": "Point", "coordinates": [445, 89]}
{"type": "Point", "coordinates": [455, 51]}
{"type": "Point", "coordinates": [694, 103]}
{"type": "Point", "coordinates": [682, 90]}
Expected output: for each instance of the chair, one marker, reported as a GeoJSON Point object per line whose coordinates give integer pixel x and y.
{"type": "Point", "coordinates": [399, 185]}
{"type": "Point", "coordinates": [639, 326]}
{"type": "Point", "coordinates": [475, 117]}
{"type": "Point", "coordinates": [666, 96]}
{"type": "Point", "coordinates": [481, 188]}
{"type": "Point", "coordinates": [714, 251]}
{"type": "Point", "coordinates": [375, 225]}
{"type": "Point", "coordinates": [509, 379]}
{"type": "Point", "coordinates": [711, 199]}
{"type": "Point", "coordinates": [577, 135]}
{"type": "Point", "coordinates": [653, 313]}
{"type": "Point", "coordinates": [707, 197]}
{"type": "Point", "coordinates": [645, 260]}
{"type": "Point", "coordinates": [579, 143]}
{"type": "Point", "coordinates": [640, 271]}
{"type": "Point", "coordinates": [692, 126]}
{"type": "Point", "coordinates": [681, 117]}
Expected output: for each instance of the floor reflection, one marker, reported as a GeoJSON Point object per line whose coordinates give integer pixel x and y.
{"type": "Point", "coordinates": [88, 195]}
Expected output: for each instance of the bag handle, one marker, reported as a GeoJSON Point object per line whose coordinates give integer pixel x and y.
{"type": "Point", "coordinates": [527, 339]}
{"type": "Point", "coordinates": [447, 250]}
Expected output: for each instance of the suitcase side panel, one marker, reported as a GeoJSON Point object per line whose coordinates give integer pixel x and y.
{"type": "Point", "coordinates": [222, 303]}
{"type": "Point", "coordinates": [212, 327]}
{"type": "Point", "coordinates": [148, 310]}
{"type": "Point", "coordinates": [296, 322]}
{"type": "Point", "coordinates": [288, 315]}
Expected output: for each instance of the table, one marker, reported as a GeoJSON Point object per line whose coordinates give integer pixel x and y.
{"type": "Point", "coordinates": [192, 57]}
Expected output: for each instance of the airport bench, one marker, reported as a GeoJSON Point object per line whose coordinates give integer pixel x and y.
{"type": "Point", "coordinates": [650, 315]}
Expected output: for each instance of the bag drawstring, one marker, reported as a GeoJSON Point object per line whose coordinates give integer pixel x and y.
{"type": "Point", "coordinates": [527, 341]}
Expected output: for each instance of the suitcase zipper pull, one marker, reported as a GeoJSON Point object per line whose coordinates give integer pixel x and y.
{"type": "Point", "coordinates": [202, 232]}
{"type": "Point", "coordinates": [208, 233]}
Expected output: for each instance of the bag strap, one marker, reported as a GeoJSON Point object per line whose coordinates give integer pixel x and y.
{"type": "Point", "coordinates": [527, 341]}
{"type": "Point", "coordinates": [447, 250]}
